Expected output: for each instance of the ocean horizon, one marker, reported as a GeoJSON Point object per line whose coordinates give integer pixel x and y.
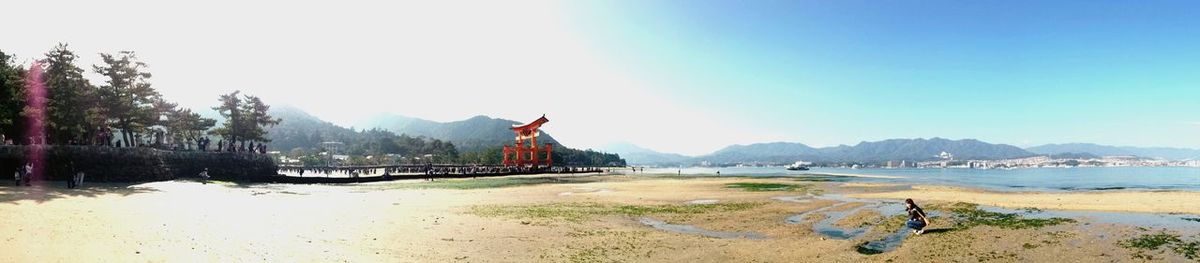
{"type": "Point", "coordinates": [1023, 179]}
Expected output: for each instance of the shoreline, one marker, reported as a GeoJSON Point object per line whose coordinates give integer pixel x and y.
{"type": "Point", "coordinates": [1125, 200]}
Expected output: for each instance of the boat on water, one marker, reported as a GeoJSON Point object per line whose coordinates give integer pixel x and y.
{"type": "Point", "coordinates": [798, 166]}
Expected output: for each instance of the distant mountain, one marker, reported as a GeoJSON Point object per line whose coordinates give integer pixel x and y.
{"type": "Point", "coordinates": [776, 152]}
{"type": "Point", "coordinates": [468, 135]}
{"type": "Point", "coordinates": [298, 129]}
{"type": "Point", "coordinates": [922, 149]}
{"type": "Point", "coordinates": [887, 150]}
{"type": "Point", "coordinates": [636, 155]}
{"type": "Point", "coordinates": [1105, 150]}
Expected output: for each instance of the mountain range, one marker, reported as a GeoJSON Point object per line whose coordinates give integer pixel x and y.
{"type": "Point", "coordinates": [892, 150]}
{"type": "Point", "coordinates": [880, 151]}
{"type": "Point", "coordinates": [1105, 150]}
{"type": "Point", "coordinates": [630, 151]}
{"type": "Point", "coordinates": [482, 132]}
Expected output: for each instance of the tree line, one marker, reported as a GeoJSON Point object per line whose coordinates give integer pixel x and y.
{"type": "Point", "coordinates": [124, 111]}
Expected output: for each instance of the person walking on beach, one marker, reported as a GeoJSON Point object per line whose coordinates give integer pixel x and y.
{"type": "Point", "coordinates": [78, 179]}
{"type": "Point", "coordinates": [28, 173]}
{"type": "Point", "coordinates": [204, 176]}
{"type": "Point", "coordinates": [917, 220]}
{"type": "Point", "coordinates": [71, 181]}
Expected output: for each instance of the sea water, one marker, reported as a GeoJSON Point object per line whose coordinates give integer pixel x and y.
{"type": "Point", "coordinates": [1022, 179]}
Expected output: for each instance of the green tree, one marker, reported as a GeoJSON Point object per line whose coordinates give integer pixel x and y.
{"type": "Point", "coordinates": [257, 115]}
{"type": "Point", "coordinates": [127, 97]}
{"type": "Point", "coordinates": [231, 109]}
{"type": "Point", "coordinates": [183, 127]}
{"type": "Point", "coordinates": [246, 118]}
{"type": "Point", "coordinates": [70, 98]}
{"type": "Point", "coordinates": [186, 127]}
{"type": "Point", "coordinates": [11, 92]}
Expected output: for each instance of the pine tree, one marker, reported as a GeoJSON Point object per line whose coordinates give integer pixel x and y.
{"type": "Point", "coordinates": [70, 98]}
{"type": "Point", "coordinates": [246, 118]}
{"type": "Point", "coordinates": [127, 96]}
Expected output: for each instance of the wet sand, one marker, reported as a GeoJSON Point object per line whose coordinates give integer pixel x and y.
{"type": "Point", "coordinates": [1115, 200]}
{"type": "Point", "coordinates": [388, 222]}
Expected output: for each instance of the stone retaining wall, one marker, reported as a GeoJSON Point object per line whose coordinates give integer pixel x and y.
{"type": "Point", "coordinates": [108, 164]}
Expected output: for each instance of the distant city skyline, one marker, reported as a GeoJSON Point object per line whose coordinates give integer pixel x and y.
{"type": "Point", "coordinates": [674, 76]}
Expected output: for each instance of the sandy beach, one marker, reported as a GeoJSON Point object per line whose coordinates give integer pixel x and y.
{"type": "Point", "coordinates": [555, 219]}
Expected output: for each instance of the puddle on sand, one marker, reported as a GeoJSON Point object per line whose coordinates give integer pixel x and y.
{"type": "Point", "coordinates": [793, 198]}
{"type": "Point", "coordinates": [690, 229]}
{"type": "Point", "coordinates": [826, 226]}
{"type": "Point", "coordinates": [889, 243]}
{"type": "Point", "coordinates": [585, 190]}
{"type": "Point", "coordinates": [702, 202]}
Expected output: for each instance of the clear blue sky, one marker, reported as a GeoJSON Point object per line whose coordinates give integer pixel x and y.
{"type": "Point", "coordinates": [834, 72]}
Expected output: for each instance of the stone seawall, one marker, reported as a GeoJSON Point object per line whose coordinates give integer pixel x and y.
{"type": "Point", "coordinates": [108, 164]}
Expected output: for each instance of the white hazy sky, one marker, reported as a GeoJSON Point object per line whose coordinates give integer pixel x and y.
{"type": "Point", "coordinates": [345, 60]}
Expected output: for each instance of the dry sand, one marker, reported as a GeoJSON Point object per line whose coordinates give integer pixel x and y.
{"type": "Point", "coordinates": [192, 222]}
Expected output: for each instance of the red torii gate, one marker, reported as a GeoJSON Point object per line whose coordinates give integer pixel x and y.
{"type": "Point", "coordinates": [521, 154]}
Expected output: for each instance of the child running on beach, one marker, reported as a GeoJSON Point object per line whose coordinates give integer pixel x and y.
{"type": "Point", "coordinates": [916, 217]}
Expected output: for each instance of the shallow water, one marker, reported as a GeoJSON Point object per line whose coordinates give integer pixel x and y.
{"type": "Point", "coordinates": [1025, 179]}
{"type": "Point", "coordinates": [702, 202]}
{"type": "Point", "coordinates": [693, 230]}
{"type": "Point", "coordinates": [887, 244]}
{"type": "Point", "coordinates": [585, 190]}
{"type": "Point", "coordinates": [826, 226]}
{"type": "Point", "coordinates": [793, 199]}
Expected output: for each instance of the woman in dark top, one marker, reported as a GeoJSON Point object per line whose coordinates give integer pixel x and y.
{"type": "Point", "coordinates": [916, 217]}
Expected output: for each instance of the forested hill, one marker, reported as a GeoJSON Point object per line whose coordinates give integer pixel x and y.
{"type": "Point", "coordinates": [301, 132]}
{"type": "Point", "coordinates": [305, 132]}
{"type": "Point", "coordinates": [476, 133]}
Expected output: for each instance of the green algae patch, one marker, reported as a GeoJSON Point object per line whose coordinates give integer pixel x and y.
{"type": "Point", "coordinates": [767, 187]}
{"type": "Point", "coordinates": [968, 215]}
{"type": "Point", "coordinates": [1145, 244]}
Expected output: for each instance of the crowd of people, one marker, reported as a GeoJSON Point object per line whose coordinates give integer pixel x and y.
{"type": "Point", "coordinates": [24, 175]}
{"type": "Point", "coordinates": [430, 169]}
{"type": "Point", "coordinates": [234, 147]}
